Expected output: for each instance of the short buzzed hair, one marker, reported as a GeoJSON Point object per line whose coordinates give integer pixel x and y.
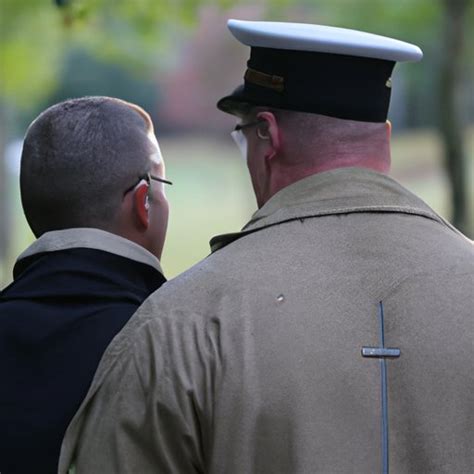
{"type": "Point", "coordinates": [79, 156]}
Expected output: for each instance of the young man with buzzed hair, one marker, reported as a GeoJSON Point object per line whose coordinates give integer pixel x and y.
{"type": "Point", "coordinates": [92, 180]}
{"type": "Point", "coordinates": [334, 333]}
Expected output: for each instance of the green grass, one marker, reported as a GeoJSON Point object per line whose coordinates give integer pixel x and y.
{"type": "Point", "coordinates": [212, 193]}
{"type": "Point", "coordinates": [417, 162]}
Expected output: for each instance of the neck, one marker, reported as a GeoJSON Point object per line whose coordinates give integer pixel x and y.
{"type": "Point", "coordinates": [285, 174]}
{"type": "Point", "coordinates": [314, 144]}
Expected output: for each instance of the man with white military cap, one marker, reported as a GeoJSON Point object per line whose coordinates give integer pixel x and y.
{"type": "Point", "coordinates": [333, 334]}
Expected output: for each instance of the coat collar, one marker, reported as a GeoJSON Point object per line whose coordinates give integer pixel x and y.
{"type": "Point", "coordinates": [339, 191]}
{"type": "Point", "coordinates": [92, 239]}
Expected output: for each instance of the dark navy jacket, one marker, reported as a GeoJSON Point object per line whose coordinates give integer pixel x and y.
{"type": "Point", "coordinates": [65, 305]}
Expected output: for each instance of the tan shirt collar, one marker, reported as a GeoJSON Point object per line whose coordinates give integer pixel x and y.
{"type": "Point", "coordinates": [92, 239]}
{"type": "Point", "coordinates": [339, 191]}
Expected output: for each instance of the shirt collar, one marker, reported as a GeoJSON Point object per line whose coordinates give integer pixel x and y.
{"type": "Point", "coordinates": [93, 239]}
{"type": "Point", "coordinates": [339, 191]}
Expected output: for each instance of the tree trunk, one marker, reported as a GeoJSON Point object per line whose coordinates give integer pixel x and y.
{"type": "Point", "coordinates": [451, 124]}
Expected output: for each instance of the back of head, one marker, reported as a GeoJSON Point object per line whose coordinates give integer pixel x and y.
{"type": "Point", "coordinates": [320, 142]}
{"type": "Point", "coordinates": [79, 156]}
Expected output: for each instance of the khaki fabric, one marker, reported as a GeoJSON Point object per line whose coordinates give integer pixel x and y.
{"type": "Point", "coordinates": [250, 362]}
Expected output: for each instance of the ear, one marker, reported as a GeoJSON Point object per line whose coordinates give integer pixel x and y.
{"type": "Point", "coordinates": [388, 125]}
{"type": "Point", "coordinates": [269, 130]}
{"type": "Point", "coordinates": [141, 205]}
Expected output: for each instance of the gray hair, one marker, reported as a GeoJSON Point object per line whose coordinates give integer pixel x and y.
{"type": "Point", "coordinates": [79, 156]}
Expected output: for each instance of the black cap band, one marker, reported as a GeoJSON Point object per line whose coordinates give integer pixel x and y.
{"type": "Point", "coordinates": [346, 87]}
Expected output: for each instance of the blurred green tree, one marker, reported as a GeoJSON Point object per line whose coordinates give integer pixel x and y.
{"type": "Point", "coordinates": [28, 64]}
{"type": "Point", "coordinates": [455, 30]}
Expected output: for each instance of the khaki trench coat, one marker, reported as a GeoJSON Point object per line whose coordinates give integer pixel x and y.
{"type": "Point", "coordinates": [250, 362]}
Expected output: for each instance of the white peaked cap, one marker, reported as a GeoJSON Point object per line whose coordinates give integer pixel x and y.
{"type": "Point", "coordinates": [317, 69]}
{"type": "Point", "coordinates": [323, 39]}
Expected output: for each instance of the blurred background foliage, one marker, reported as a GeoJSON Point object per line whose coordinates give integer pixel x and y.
{"type": "Point", "coordinates": [176, 59]}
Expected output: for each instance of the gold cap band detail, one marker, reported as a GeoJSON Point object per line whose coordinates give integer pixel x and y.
{"type": "Point", "coordinates": [269, 81]}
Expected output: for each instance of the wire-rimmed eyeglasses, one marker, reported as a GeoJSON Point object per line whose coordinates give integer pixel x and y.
{"type": "Point", "coordinates": [238, 135]}
{"type": "Point", "coordinates": [242, 126]}
{"type": "Point", "coordinates": [147, 177]}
